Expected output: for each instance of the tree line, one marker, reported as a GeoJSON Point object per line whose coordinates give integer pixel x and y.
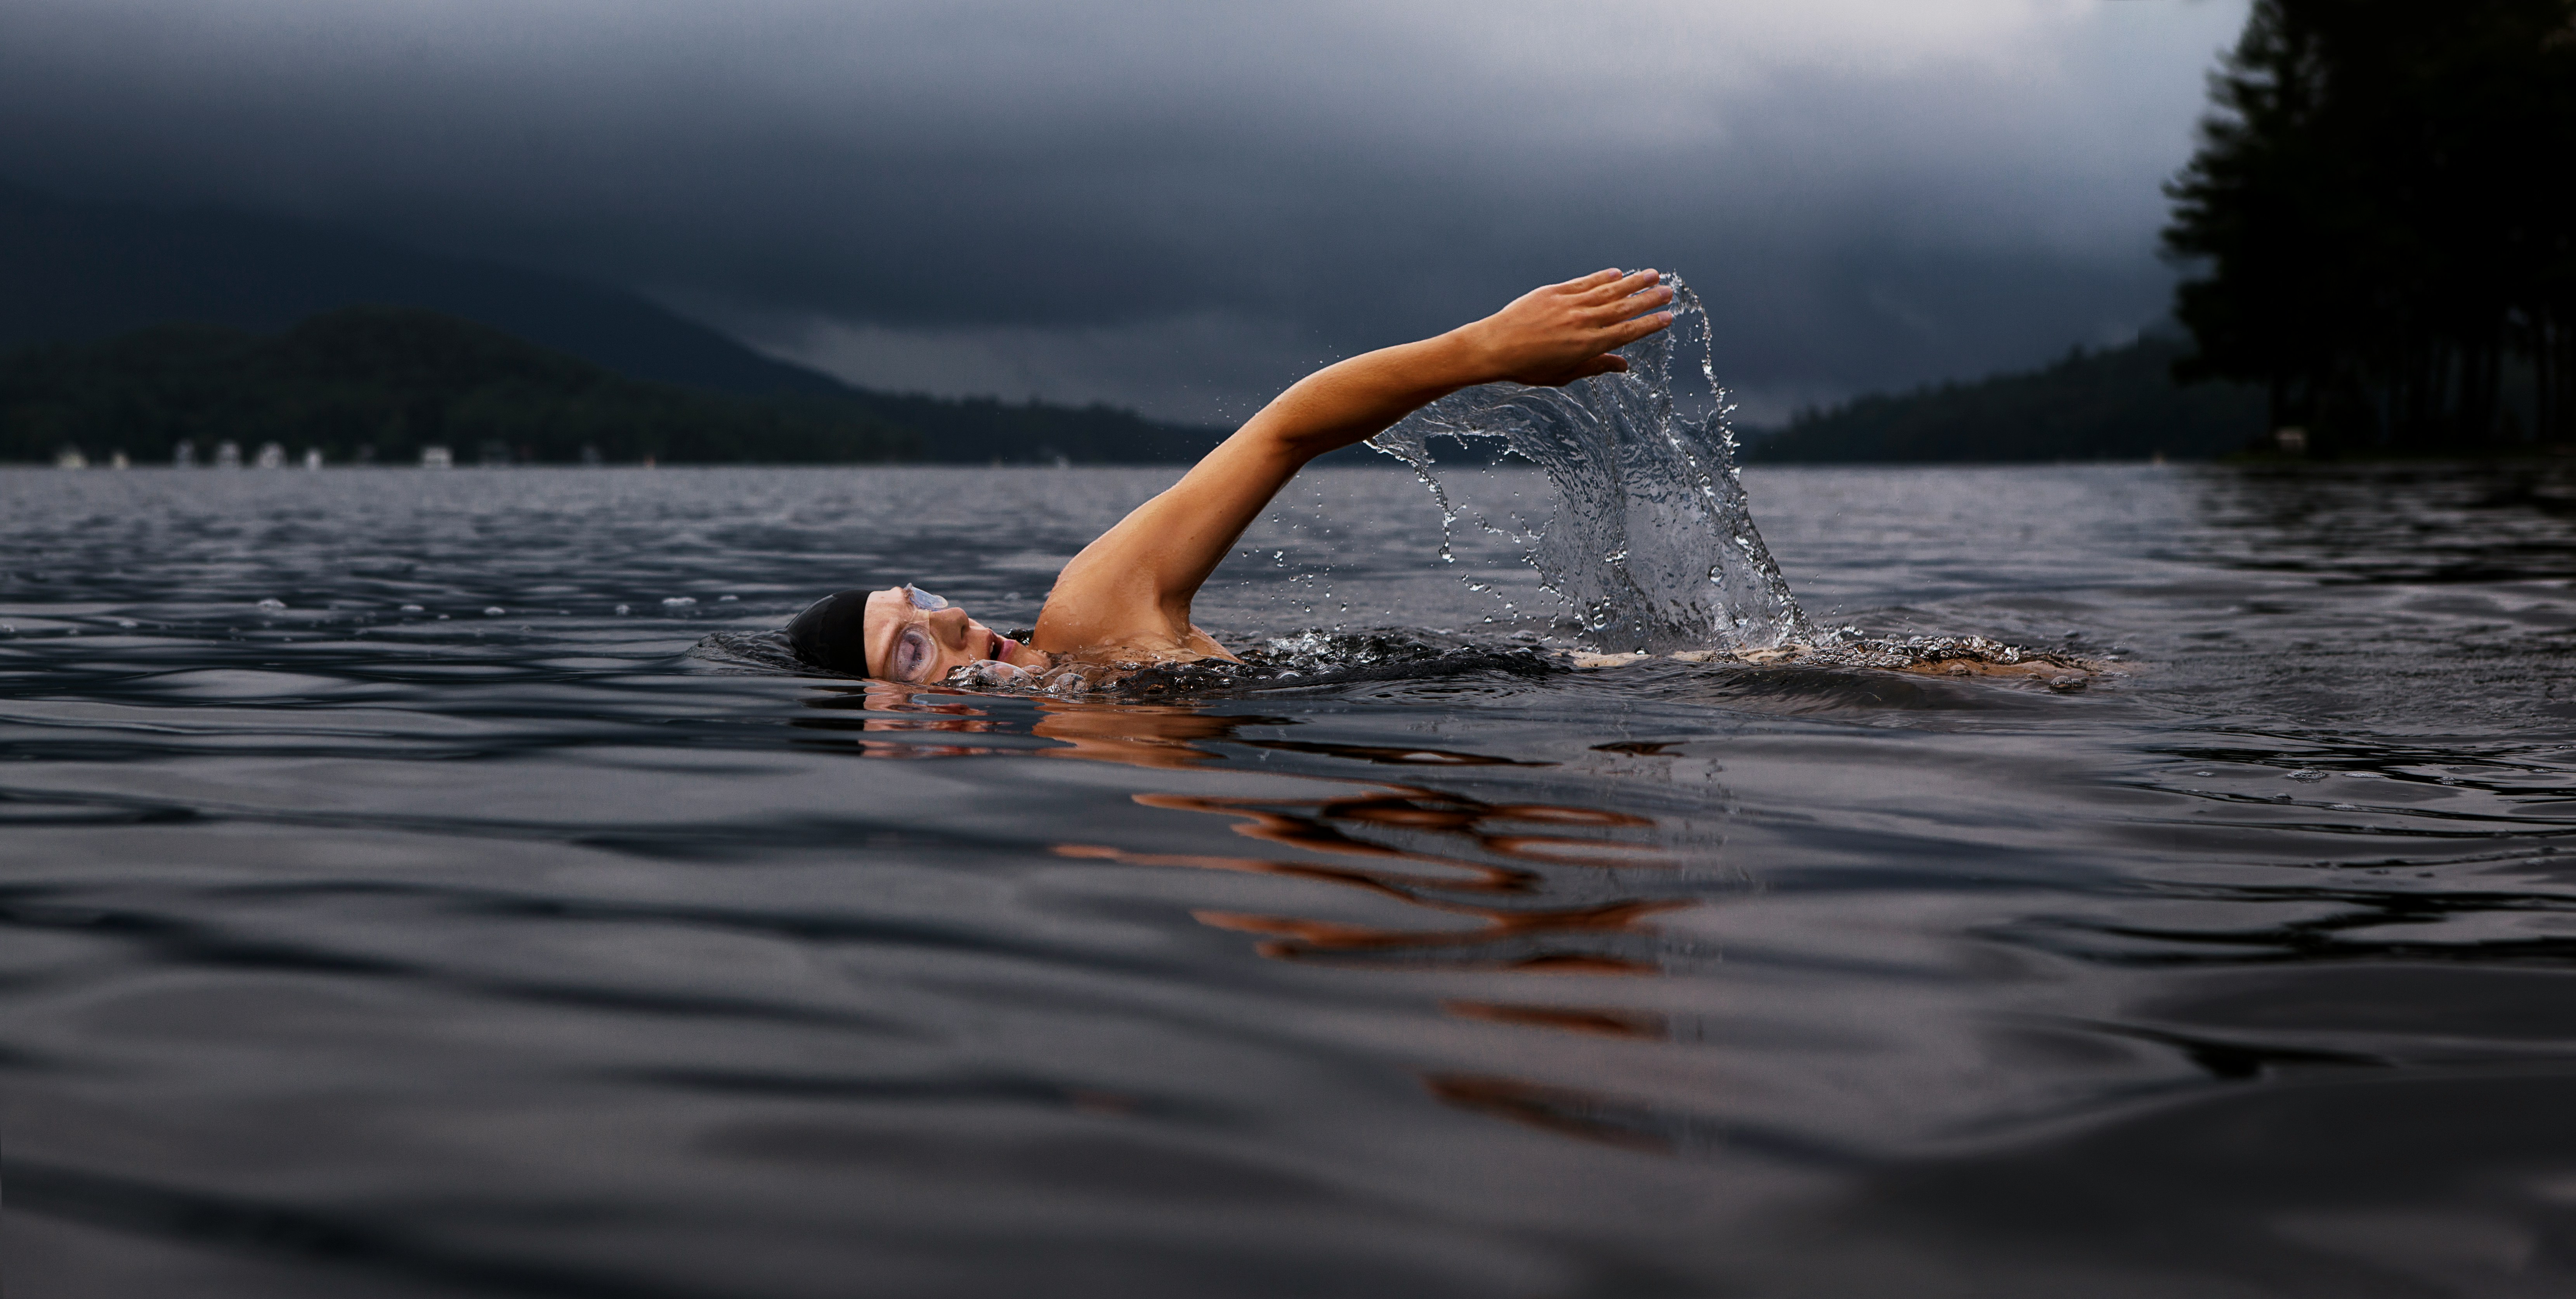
{"type": "Point", "coordinates": [2113, 403]}
{"type": "Point", "coordinates": [2379, 216]}
{"type": "Point", "coordinates": [382, 384]}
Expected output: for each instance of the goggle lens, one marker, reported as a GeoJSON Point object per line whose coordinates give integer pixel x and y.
{"type": "Point", "coordinates": [914, 652]}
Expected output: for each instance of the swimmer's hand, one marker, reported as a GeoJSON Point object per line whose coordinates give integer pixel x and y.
{"type": "Point", "coordinates": [1555, 335]}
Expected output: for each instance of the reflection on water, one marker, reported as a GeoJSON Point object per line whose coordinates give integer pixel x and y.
{"type": "Point", "coordinates": [359, 942]}
{"type": "Point", "coordinates": [1524, 912]}
{"type": "Point", "coordinates": [1519, 887]}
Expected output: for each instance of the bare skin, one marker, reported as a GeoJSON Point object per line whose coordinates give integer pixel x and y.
{"type": "Point", "coordinates": [1128, 594]}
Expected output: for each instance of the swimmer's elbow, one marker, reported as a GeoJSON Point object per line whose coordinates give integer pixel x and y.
{"type": "Point", "coordinates": [1300, 432]}
{"type": "Point", "coordinates": [1279, 443]}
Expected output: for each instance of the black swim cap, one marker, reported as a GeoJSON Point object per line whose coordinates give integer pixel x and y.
{"type": "Point", "coordinates": [832, 633]}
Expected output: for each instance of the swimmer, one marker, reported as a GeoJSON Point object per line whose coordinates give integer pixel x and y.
{"type": "Point", "coordinates": [1125, 600]}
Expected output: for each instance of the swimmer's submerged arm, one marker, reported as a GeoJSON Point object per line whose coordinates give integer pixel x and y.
{"type": "Point", "coordinates": [1139, 577]}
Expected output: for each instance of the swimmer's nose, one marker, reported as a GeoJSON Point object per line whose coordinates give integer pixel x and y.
{"type": "Point", "coordinates": [951, 624]}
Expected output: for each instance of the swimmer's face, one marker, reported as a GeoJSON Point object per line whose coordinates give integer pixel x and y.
{"type": "Point", "coordinates": [915, 636]}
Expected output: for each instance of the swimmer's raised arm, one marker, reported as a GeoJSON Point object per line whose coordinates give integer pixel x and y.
{"type": "Point", "coordinates": [1133, 586]}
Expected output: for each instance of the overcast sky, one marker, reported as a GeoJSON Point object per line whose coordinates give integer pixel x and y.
{"type": "Point", "coordinates": [1179, 205]}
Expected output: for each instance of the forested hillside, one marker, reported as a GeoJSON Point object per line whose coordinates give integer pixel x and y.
{"type": "Point", "coordinates": [383, 382]}
{"type": "Point", "coordinates": [380, 383]}
{"type": "Point", "coordinates": [125, 328]}
{"type": "Point", "coordinates": [2115, 404]}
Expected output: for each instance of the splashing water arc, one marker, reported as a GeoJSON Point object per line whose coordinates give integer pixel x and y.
{"type": "Point", "coordinates": [1651, 544]}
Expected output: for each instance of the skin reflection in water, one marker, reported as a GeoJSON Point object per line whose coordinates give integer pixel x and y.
{"type": "Point", "coordinates": [909, 716]}
{"type": "Point", "coordinates": [1515, 927]}
{"type": "Point", "coordinates": [1160, 736]}
{"type": "Point", "coordinates": [1135, 735]}
{"type": "Point", "coordinates": [1503, 869]}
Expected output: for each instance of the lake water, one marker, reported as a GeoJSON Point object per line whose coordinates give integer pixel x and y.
{"type": "Point", "coordinates": [514, 945]}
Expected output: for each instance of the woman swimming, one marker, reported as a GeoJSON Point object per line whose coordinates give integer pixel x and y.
{"type": "Point", "coordinates": [1126, 597]}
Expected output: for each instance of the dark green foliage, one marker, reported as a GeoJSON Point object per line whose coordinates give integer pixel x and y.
{"type": "Point", "coordinates": [2380, 205]}
{"type": "Point", "coordinates": [383, 382]}
{"type": "Point", "coordinates": [2116, 404]}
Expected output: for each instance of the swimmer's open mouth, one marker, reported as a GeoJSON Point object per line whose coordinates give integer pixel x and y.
{"type": "Point", "coordinates": [1003, 647]}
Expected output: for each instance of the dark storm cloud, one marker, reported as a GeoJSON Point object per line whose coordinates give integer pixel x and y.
{"type": "Point", "coordinates": [1181, 204]}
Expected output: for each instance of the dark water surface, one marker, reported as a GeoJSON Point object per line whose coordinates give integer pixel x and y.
{"type": "Point", "coordinates": [507, 947]}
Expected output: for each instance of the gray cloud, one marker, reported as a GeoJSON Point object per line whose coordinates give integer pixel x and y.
{"type": "Point", "coordinates": [1174, 204]}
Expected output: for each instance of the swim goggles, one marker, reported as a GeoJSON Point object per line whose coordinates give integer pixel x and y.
{"type": "Point", "coordinates": [914, 652]}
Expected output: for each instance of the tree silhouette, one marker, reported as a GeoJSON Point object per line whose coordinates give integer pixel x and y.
{"type": "Point", "coordinates": [2380, 207]}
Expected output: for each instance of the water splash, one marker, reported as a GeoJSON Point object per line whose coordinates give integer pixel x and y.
{"type": "Point", "coordinates": [1651, 544]}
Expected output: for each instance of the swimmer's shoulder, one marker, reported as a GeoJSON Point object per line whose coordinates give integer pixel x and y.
{"type": "Point", "coordinates": [1072, 641]}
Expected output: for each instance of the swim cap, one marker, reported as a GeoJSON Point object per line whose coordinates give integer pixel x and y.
{"type": "Point", "coordinates": [832, 633]}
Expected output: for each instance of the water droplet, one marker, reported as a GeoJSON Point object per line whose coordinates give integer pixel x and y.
{"type": "Point", "coordinates": [411, 608]}
{"type": "Point", "coordinates": [493, 611]}
{"type": "Point", "coordinates": [272, 603]}
{"type": "Point", "coordinates": [678, 601]}
{"type": "Point", "coordinates": [2307, 773]}
{"type": "Point", "coordinates": [622, 610]}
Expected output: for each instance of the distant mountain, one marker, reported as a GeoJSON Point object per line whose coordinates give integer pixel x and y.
{"type": "Point", "coordinates": [77, 273]}
{"type": "Point", "coordinates": [2116, 404]}
{"type": "Point", "coordinates": [383, 383]}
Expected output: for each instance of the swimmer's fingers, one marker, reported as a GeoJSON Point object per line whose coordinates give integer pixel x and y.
{"type": "Point", "coordinates": [1636, 285]}
{"type": "Point", "coordinates": [1607, 286]}
{"type": "Point", "coordinates": [1628, 331]}
{"type": "Point", "coordinates": [1603, 286]}
{"type": "Point", "coordinates": [1628, 306]}
{"type": "Point", "coordinates": [1592, 282]}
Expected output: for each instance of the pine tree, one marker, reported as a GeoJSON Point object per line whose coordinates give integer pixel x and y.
{"type": "Point", "coordinates": [2379, 207]}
